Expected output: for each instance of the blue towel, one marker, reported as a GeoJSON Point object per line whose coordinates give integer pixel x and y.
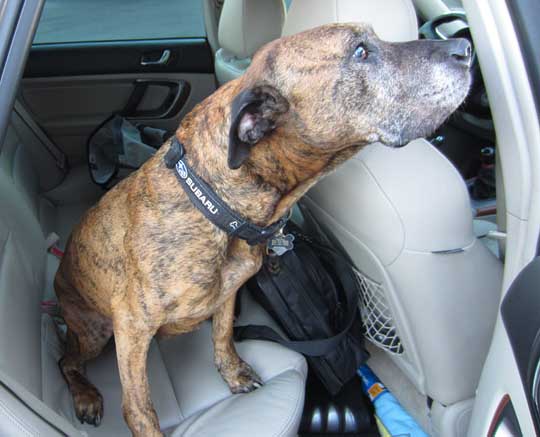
{"type": "Point", "coordinates": [392, 419]}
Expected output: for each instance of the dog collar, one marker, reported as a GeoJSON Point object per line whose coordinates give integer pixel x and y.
{"type": "Point", "coordinates": [209, 203]}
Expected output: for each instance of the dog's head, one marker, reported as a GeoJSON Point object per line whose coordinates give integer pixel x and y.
{"type": "Point", "coordinates": [339, 85]}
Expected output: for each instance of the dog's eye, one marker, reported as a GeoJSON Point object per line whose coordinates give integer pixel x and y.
{"type": "Point", "coordinates": [361, 52]}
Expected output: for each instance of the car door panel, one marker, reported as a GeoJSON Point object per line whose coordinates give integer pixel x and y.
{"type": "Point", "coordinates": [149, 62]}
{"type": "Point", "coordinates": [188, 55]}
{"type": "Point", "coordinates": [70, 108]}
{"type": "Point", "coordinates": [520, 310]}
{"type": "Point", "coordinates": [509, 78]}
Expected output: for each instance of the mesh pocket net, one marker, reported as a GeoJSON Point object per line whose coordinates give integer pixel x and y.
{"type": "Point", "coordinates": [376, 315]}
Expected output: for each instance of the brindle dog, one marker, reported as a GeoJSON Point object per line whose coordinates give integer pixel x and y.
{"type": "Point", "coordinates": [144, 260]}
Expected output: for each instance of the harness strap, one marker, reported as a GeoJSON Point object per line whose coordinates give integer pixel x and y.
{"type": "Point", "coordinates": [321, 346]}
{"type": "Point", "coordinates": [209, 203]}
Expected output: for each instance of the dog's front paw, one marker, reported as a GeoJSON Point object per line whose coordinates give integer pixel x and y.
{"type": "Point", "coordinates": [88, 405]}
{"type": "Point", "coordinates": [242, 378]}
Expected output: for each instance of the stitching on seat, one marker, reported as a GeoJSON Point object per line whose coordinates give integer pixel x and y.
{"type": "Point", "coordinates": [51, 347]}
{"type": "Point", "coordinates": [17, 178]}
{"type": "Point", "coordinates": [3, 248]}
{"type": "Point", "coordinates": [287, 424]}
{"type": "Point", "coordinates": [10, 153]}
{"type": "Point", "coordinates": [46, 344]}
{"type": "Point", "coordinates": [13, 157]}
{"type": "Point", "coordinates": [394, 208]}
{"type": "Point", "coordinates": [27, 429]}
{"type": "Point", "coordinates": [170, 381]}
{"type": "Point", "coordinates": [285, 430]}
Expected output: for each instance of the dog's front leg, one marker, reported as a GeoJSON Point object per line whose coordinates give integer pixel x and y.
{"type": "Point", "coordinates": [240, 377]}
{"type": "Point", "coordinates": [132, 338]}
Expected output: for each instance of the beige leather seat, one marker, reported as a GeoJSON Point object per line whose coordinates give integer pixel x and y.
{"type": "Point", "coordinates": [190, 397]}
{"type": "Point", "coordinates": [431, 289]}
{"type": "Point", "coordinates": [393, 20]}
{"type": "Point", "coordinates": [244, 27]}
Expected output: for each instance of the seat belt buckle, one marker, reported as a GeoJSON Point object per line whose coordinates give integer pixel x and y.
{"type": "Point", "coordinates": [50, 307]}
{"type": "Point", "coordinates": [52, 245]}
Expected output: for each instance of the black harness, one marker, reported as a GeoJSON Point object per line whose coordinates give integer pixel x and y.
{"type": "Point", "coordinates": [214, 209]}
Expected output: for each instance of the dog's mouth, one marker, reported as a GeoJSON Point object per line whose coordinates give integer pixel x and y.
{"type": "Point", "coordinates": [400, 139]}
{"type": "Point", "coordinates": [399, 135]}
{"type": "Point", "coordinates": [425, 107]}
{"type": "Point", "coordinates": [400, 145]}
{"type": "Point", "coordinates": [397, 140]}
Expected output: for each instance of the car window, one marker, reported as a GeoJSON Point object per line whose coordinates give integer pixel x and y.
{"type": "Point", "coordinates": [71, 21]}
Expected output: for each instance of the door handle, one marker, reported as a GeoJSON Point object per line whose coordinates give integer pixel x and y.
{"type": "Point", "coordinates": [177, 96]}
{"type": "Point", "coordinates": [165, 56]}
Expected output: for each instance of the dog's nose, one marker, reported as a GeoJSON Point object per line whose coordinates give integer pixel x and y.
{"type": "Point", "coordinates": [460, 50]}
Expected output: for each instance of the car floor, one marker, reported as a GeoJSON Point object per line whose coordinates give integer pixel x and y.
{"type": "Point", "coordinates": [348, 413]}
{"type": "Point", "coordinates": [400, 386]}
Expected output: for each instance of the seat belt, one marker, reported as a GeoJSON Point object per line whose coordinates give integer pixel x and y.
{"type": "Point", "coordinates": [59, 156]}
{"type": "Point", "coordinates": [53, 419]}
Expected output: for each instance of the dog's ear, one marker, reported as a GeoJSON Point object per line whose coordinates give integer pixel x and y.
{"type": "Point", "coordinates": [253, 115]}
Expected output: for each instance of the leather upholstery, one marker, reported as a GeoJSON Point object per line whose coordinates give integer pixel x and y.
{"type": "Point", "coordinates": [392, 20]}
{"type": "Point", "coordinates": [395, 208]}
{"type": "Point", "coordinates": [189, 395]}
{"type": "Point", "coordinates": [399, 211]}
{"type": "Point", "coordinates": [244, 27]}
{"type": "Point", "coordinates": [228, 67]}
{"type": "Point", "coordinates": [191, 398]}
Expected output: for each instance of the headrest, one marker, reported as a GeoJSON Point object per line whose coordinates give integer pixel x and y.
{"type": "Point", "coordinates": [392, 20]}
{"type": "Point", "coordinates": [247, 25]}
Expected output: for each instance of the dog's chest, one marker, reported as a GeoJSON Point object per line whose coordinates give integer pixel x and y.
{"type": "Point", "coordinates": [209, 283]}
{"type": "Point", "coordinates": [188, 266]}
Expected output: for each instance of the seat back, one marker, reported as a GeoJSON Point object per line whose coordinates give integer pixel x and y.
{"type": "Point", "coordinates": [29, 165]}
{"type": "Point", "coordinates": [244, 27]}
{"type": "Point", "coordinates": [403, 215]}
{"type": "Point", "coordinates": [430, 288]}
{"type": "Point", "coordinates": [23, 214]}
{"type": "Point", "coordinates": [29, 347]}
{"type": "Point", "coordinates": [392, 20]}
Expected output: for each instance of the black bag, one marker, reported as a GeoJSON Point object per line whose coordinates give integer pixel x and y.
{"type": "Point", "coordinates": [313, 294]}
{"type": "Point", "coordinates": [119, 144]}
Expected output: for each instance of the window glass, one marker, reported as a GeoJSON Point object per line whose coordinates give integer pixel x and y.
{"type": "Point", "coordinates": [116, 20]}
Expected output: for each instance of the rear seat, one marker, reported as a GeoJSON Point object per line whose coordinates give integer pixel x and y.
{"type": "Point", "coordinates": [190, 397]}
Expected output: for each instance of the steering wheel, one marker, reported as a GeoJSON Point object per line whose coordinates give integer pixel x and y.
{"type": "Point", "coordinates": [477, 102]}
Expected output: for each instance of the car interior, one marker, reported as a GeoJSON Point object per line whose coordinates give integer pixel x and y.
{"type": "Point", "coordinates": [418, 222]}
